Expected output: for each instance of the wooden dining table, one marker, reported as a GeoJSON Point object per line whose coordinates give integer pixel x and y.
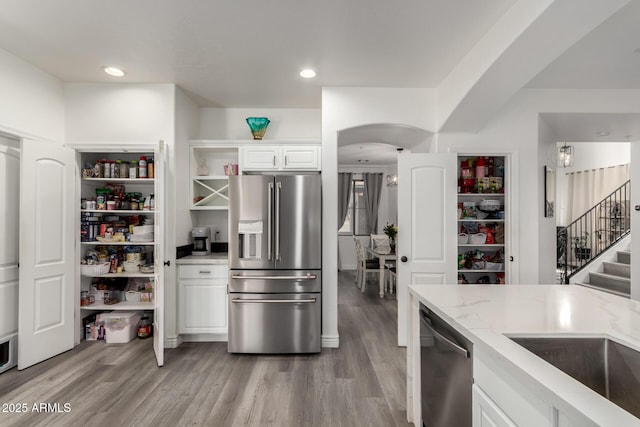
{"type": "Point", "coordinates": [384, 255]}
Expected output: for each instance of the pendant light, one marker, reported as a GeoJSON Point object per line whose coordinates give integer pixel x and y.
{"type": "Point", "coordinates": [565, 156]}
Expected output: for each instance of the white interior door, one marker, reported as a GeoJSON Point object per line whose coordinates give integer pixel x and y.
{"type": "Point", "coordinates": [47, 232]}
{"type": "Point", "coordinates": [427, 237]}
{"type": "Point", "coordinates": [9, 247]}
{"type": "Point", "coordinates": [160, 232]}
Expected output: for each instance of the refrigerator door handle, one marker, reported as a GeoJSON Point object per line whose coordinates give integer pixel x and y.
{"type": "Point", "coordinates": [269, 220]}
{"type": "Point", "coordinates": [307, 277]}
{"type": "Point", "coordinates": [277, 228]}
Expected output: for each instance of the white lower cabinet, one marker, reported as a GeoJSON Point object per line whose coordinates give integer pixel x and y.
{"type": "Point", "coordinates": [202, 293]}
{"type": "Point", "coordinates": [486, 413]}
{"type": "Point", "coordinates": [502, 398]}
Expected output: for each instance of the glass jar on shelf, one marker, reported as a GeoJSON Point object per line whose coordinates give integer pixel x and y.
{"type": "Point", "coordinates": [124, 169]}
{"type": "Point", "coordinates": [133, 169]}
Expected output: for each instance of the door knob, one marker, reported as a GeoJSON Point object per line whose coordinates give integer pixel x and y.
{"type": "Point", "coordinates": [403, 259]}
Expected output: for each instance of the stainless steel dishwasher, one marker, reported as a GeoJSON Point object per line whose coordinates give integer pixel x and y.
{"type": "Point", "coordinates": [446, 373]}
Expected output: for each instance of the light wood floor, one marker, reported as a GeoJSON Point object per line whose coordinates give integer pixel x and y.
{"type": "Point", "coordinates": [360, 384]}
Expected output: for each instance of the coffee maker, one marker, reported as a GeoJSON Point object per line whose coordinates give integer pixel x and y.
{"type": "Point", "coordinates": [201, 240]}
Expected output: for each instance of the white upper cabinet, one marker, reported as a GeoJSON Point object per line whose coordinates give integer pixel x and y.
{"type": "Point", "coordinates": [280, 158]}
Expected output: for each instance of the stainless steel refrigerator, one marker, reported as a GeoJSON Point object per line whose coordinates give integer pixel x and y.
{"type": "Point", "coordinates": [275, 259]}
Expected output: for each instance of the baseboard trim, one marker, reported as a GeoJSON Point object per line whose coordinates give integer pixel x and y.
{"type": "Point", "coordinates": [173, 342]}
{"type": "Point", "coordinates": [330, 341]}
{"type": "Point", "coordinates": [219, 337]}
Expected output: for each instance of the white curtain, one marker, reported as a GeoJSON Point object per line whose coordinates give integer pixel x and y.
{"type": "Point", "coordinates": [586, 188]}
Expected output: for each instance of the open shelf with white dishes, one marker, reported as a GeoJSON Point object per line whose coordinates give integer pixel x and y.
{"type": "Point", "coordinates": [482, 219]}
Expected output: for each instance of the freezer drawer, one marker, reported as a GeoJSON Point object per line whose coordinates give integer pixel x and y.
{"type": "Point", "coordinates": [275, 281]}
{"type": "Point", "coordinates": [274, 323]}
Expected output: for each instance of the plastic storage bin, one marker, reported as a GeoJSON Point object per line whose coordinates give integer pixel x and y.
{"type": "Point", "coordinates": [121, 326]}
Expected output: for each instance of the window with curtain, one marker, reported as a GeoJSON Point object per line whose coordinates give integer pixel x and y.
{"type": "Point", "coordinates": [356, 221]}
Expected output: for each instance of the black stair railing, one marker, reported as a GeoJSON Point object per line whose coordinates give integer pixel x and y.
{"type": "Point", "coordinates": [594, 232]}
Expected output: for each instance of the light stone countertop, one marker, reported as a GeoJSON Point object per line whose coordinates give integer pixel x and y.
{"type": "Point", "coordinates": [486, 313]}
{"type": "Point", "coordinates": [220, 258]}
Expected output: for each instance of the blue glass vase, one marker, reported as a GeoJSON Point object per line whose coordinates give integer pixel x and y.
{"type": "Point", "coordinates": [258, 126]}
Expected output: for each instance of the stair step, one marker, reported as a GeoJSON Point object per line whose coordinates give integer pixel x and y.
{"type": "Point", "coordinates": [608, 281]}
{"type": "Point", "coordinates": [610, 291]}
{"type": "Point", "coordinates": [624, 257]}
{"type": "Point", "coordinates": [617, 269]}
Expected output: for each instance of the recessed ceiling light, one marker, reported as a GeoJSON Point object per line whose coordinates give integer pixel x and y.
{"type": "Point", "coordinates": [308, 73]}
{"type": "Point", "coordinates": [113, 71]}
{"type": "Point", "coordinates": [603, 133]}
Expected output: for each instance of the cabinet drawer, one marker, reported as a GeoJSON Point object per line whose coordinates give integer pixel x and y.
{"type": "Point", "coordinates": [203, 271]}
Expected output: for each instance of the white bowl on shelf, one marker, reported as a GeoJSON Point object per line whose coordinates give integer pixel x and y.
{"type": "Point", "coordinates": [94, 269]}
{"type": "Point", "coordinates": [131, 266]}
{"type": "Point", "coordinates": [143, 229]}
{"type": "Point", "coordinates": [477, 239]}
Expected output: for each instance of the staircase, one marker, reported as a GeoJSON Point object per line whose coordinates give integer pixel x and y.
{"type": "Point", "coordinates": [582, 244]}
{"type": "Point", "coordinates": [615, 277]}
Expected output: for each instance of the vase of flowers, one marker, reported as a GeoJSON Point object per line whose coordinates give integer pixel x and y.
{"type": "Point", "coordinates": [391, 230]}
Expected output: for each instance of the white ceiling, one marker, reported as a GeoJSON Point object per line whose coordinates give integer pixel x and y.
{"type": "Point", "coordinates": [229, 53]}
{"type": "Point", "coordinates": [607, 58]}
{"type": "Point", "coordinates": [248, 53]}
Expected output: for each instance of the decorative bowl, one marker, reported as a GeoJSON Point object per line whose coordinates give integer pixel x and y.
{"type": "Point", "coordinates": [258, 126]}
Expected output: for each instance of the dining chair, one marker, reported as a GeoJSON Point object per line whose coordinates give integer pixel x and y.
{"type": "Point", "coordinates": [392, 280]}
{"type": "Point", "coordinates": [380, 241]}
{"type": "Point", "coordinates": [364, 265]}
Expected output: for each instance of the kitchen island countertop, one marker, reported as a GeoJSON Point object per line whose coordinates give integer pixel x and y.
{"type": "Point", "coordinates": [485, 314]}
{"type": "Point", "coordinates": [212, 258]}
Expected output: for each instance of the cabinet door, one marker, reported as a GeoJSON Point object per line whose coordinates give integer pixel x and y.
{"type": "Point", "coordinates": [486, 413]}
{"type": "Point", "coordinates": [300, 158]}
{"type": "Point", "coordinates": [47, 274]}
{"type": "Point", "coordinates": [160, 251]}
{"type": "Point", "coordinates": [260, 158]}
{"type": "Point", "coordinates": [203, 306]}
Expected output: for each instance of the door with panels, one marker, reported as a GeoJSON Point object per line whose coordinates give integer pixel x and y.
{"type": "Point", "coordinates": [426, 225]}
{"type": "Point", "coordinates": [9, 247]}
{"type": "Point", "coordinates": [47, 228]}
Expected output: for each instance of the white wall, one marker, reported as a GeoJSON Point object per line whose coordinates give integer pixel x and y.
{"type": "Point", "coordinates": [32, 102]}
{"type": "Point", "coordinates": [187, 126]}
{"type": "Point", "coordinates": [547, 226]}
{"type": "Point", "coordinates": [587, 155]}
{"type": "Point", "coordinates": [343, 108]}
{"type": "Point", "coordinates": [285, 123]}
{"type": "Point", "coordinates": [635, 222]}
{"type": "Point", "coordinates": [31, 105]}
{"type": "Point", "coordinates": [516, 128]}
{"type": "Point", "coordinates": [132, 113]}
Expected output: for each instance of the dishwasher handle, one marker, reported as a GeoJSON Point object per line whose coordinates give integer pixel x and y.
{"type": "Point", "coordinates": [426, 321]}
